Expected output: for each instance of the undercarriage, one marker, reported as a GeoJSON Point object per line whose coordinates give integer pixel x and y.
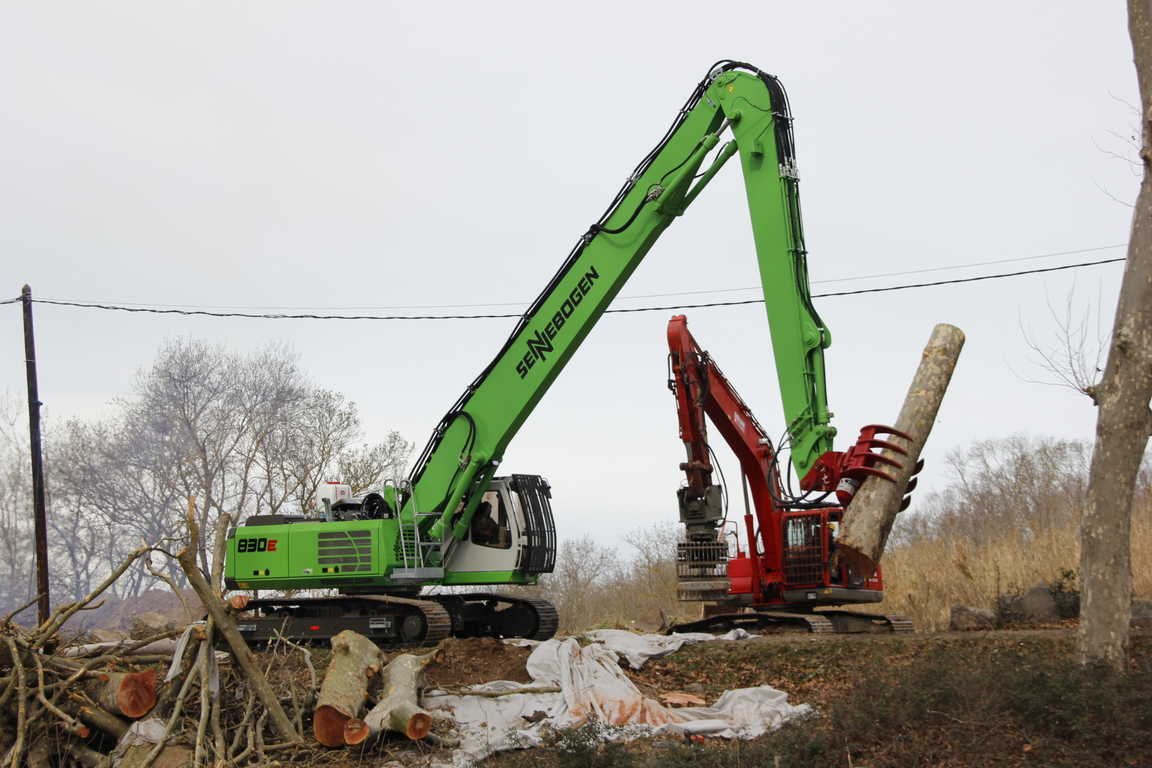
{"type": "Point", "coordinates": [824, 622]}
{"type": "Point", "coordinates": [394, 621]}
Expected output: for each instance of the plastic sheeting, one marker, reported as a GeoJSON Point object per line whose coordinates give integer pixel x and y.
{"type": "Point", "coordinates": [637, 649]}
{"type": "Point", "coordinates": [593, 688]}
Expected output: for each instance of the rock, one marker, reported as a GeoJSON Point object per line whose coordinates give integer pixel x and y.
{"type": "Point", "coordinates": [150, 623]}
{"type": "Point", "coordinates": [1142, 613]}
{"type": "Point", "coordinates": [107, 635]}
{"type": "Point", "coordinates": [965, 619]}
{"type": "Point", "coordinates": [1038, 605]}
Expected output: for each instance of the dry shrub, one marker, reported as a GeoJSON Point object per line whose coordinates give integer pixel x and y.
{"type": "Point", "coordinates": [1008, 520]}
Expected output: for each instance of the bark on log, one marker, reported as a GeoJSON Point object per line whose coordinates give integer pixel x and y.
{"type": "Point", "coordinates": [105, 721]}
{"type": "Point", "coordinates": [170, 756]}
{"type": "Point", "coordinates": [88, 758]}
{"type": "Point", "coordinates": [131, 694]}
{"type": "Point", "coordinates": [355, 659]}
{"type": "Point", "coordinates": [869, 516]}
{"type": "Point", "coordinates": [398, 708]}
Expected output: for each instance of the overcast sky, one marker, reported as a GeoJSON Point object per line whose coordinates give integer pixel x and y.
{"type": "Point", "coordinates": [374, 155]}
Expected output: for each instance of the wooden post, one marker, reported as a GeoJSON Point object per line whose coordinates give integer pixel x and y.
{"type": "Point", "coordinates": [41, 525]}
{"type": "Point", "coordinates": [869, 516]}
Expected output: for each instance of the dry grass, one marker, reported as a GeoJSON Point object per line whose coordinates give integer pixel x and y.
{"type": "Point", "coordinates": [1008, 519]}
{"type": "Point", "coordinates": [924, 579]}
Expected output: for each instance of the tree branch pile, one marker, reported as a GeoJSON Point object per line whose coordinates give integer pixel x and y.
{"type": "Point", "coordinates": [159, 702]}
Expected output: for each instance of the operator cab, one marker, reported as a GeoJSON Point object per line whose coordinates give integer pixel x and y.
{"type": "Point", "coordinates": [512, 529]}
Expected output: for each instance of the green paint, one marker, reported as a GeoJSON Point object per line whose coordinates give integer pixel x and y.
{"type": "Point", "coordinates": [467, 448]}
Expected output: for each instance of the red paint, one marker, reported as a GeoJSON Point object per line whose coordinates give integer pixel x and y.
{"type": "Point", "coordinates": [702, 390]}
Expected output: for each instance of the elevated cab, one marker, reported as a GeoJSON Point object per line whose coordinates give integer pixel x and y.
{"type": "Point", "coordinates": [511, 537]}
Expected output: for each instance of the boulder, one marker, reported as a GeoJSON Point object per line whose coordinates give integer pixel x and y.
{"type": "Point", "coordinates": [965, 618]}
{"type": "Point", "coordinates": [150, 623]}
{"type": "Point", "coordinates": [1038, 606]}
{"type": "Point", "coordinates": [107, 635]}
{"type": "Point", "coordinates": [1142, 613]}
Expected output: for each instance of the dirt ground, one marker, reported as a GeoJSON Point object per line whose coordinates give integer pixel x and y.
{"type": "Point", "coordinates": [477, 660]}
{"type": "Point", "coordinates": [1003, 698]}
{"type": "Point", "coordinates": [949, 700]}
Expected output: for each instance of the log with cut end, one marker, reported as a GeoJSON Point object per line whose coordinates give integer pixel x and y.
{"type": "Point", "coordinates": [105, 721]}
{"type": "Point", "coordinates": [131, 694]}
{"type": "Point", "coordinates": [355, 659]}
{"type": "Point", "coordinates": [398, 708]}
{"type": "Point", "coordinates": [869, 516]}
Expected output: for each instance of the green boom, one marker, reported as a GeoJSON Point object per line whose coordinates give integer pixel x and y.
{"type": "Point", "coordinates": [438, 500]}
{"type": "Point", "coordinates": [469, 443]}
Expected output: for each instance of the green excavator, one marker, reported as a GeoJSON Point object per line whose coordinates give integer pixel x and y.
{"type": "Point", "coordinates": [453, 522]}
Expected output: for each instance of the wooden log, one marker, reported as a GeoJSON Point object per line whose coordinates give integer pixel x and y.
{"type": "Point", "coordinates": [870, 514]}
{"type": "Point", "coordinates": [398, 708]}
{"type": "Point", "coordinates": [105, 721]}
{"type": "Point", "coordinates": [169, 756]}
{"type": "Point", "coordinates": [355, 659]}
{"type": "Point", "coordinates": [87, 758]}
{"type": "Point", "coordinates": [131, 694]}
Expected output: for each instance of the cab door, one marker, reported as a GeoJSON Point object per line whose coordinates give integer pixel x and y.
{"type": "Point", "coordinates": [493, 540]}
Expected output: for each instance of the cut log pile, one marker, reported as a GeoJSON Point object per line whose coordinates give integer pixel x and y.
{"type": "Point", "coordinates": [163, 701]}
{"type": "Point", "coordinates": [355, 668]}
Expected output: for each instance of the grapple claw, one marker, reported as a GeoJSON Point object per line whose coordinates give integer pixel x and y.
{"type": "Point", "coordinates": [843, 472]}
{"type": "Point", "coordinates": [885, 444]}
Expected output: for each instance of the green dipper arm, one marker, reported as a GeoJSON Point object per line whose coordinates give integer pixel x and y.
{"type": "Point", "coordinates": [468, 444]}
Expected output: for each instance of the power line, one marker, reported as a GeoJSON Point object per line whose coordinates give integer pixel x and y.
{"type": "Point", "coordinates": [702, 292]}
{"type": "Point", "coordinates": [248, 315]}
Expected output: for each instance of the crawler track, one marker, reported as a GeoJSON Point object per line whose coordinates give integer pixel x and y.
{"type": "Point", "coordinates": [822, 623]}
{"type": "Point", "coordinates": [394, 621]}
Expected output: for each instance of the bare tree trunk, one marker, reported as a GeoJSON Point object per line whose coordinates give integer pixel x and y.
{"type": "Point", "coordinates": [1124, 420]}
{"type": "Point", "coordinates": [869, 517]}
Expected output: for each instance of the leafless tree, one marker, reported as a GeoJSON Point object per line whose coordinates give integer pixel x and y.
{"type": "Point", "coordinates": [1075, 357]}
{"type": "Point", "coordinates": [584, 571]}
{"type": "Point", "coordinates": [1124, 419]}
{"type": "Point", "coordinates": [15, 507]}
{"type": "Point", "coordinates": [243, 434]}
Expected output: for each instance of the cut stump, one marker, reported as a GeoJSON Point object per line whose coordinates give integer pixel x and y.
{"type": "Point", "coordinates": [355, 659]}
{"type": "Point", "coordinates": [131, 694]}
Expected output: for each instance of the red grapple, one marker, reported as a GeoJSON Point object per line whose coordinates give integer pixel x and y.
{"type": "Point", "coordinates": [844, 471]}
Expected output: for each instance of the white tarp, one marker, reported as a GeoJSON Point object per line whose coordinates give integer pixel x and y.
{"type": "Point", "coordinates": [637, 649]}
{"type": "Point", "coordinates": [593, 688]}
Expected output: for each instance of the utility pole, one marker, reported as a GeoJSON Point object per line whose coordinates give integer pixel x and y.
{"type": "Point", "coordinates": [42, 602]}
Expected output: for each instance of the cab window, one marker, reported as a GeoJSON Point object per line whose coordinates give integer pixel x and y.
{"type": "Point", "coordinates": [490, 523]}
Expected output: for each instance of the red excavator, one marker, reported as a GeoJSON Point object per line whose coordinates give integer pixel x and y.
{"type": "Point", "coordinates": [783, 570]}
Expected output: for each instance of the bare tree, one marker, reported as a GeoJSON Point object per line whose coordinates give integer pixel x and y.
{"type": "Point", "coordinates": [243, 434]}
{"type": "Point", "coordinates": [584, 571]}
{"type": "Point", "coordinates": [16, 585]}
{"type": "Point", "coordinates": [1124, 419]}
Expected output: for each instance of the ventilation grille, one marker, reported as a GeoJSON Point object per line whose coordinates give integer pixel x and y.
{"type": "Point", "coordinates": [344, 551]}
{"type": "Point", "coordinates": [803, 550]}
